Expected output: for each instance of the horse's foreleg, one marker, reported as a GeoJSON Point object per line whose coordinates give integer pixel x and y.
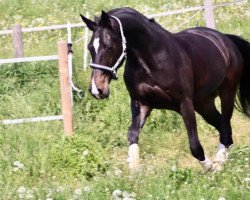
{"type": "Point", "coordinates": [139, 114]}
{"type": "Point", "coordinates": [220, 158]}
{"type": "Point", "coordinates": [188, 115]}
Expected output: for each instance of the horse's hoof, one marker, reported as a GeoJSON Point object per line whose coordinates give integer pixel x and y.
{"type": "Point", "coordinates": [217, 166]}
{"type": "Point", "coordinates": [210, 166]}
{"type": "Point", "coordinates": [133, 157]}
{"type": "Point", "coordinates": [221, 156]}
{"type": "Point", "coordinates": [206, 164]}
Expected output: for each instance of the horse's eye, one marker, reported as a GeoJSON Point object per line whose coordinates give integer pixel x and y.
{"type": "Point", "coordinates": [109, 47]}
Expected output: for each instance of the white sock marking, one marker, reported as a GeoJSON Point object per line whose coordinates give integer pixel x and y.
{"type": "Point", "coordinates": [206, 164]}
{"type": "Point", "coordinates": [96, 44]}
{"type": "Point", "coordinates": [221, 154]}
{"type": "Point", "coordinates": [133, 156]}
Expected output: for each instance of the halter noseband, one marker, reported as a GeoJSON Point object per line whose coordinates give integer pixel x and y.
{"type": "Point", "coordinates": [113, 69]}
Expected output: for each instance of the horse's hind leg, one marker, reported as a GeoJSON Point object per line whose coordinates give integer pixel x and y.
{"type": "Point", "coordinates": [227, 105]}
{"type": "Point", "coordinates": [208, 111]}
{"type": "Point", "coordinates": [226, 95]}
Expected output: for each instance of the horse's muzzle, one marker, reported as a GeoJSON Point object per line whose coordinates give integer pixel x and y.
{"type": "Point", "coordinates": [99, 94]}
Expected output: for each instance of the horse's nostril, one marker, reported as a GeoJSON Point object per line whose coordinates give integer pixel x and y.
{"type": "Point", "coordinates": [100, 91]}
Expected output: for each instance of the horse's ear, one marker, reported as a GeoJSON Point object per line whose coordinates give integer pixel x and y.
{"type": "Point", "coordinates": [105, 20]}
{"type": "Point", "coordinates": [90, 24]}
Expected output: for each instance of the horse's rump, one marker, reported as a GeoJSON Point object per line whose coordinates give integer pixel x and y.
{"type": "Point", "coordinates": [213, 57]}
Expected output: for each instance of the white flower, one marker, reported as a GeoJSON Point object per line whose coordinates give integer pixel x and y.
{"type": "Point", "coordinates": [247, 179]}
{"type": "Point", "coordinates": [49, 193]}
{"type": "Point", "coordinates": [118, 172]}
{"type": "Point", "coordinates": [18, 165]}
{"type": "Point", "coordinates": [174, 168]}
{"type": "Point", "coordinates": [15, 169]}
{"type": "Point", "coordinates": [222, 198]}
{"type": "Point", "coordinates": [132, 194]}
{"type": "Point", "coordinates": [125, 194]}
{"type": "Point", "coordinates": [118, 198]}
{"type": "Point", "coordinates": [78, 192]}
{"type": "Point", "coordinates": [59, 189]}
{"type": "Point", "coordinates": [21, 196]}
{"type": "Point", "coordinates": [85, 153]}
{"type": "Point", "coordinates": [21, 166]}
{"type": "Point", "coordinates": [49, 198]}
{"type": "Point", "coordinates": [29, 196]}
{"type": "Point", "coordinates": [117, 193]}
{"type": "Point", "coordinates": [21, 190]}
{"type": "Point", "coordinates": [86, 189]}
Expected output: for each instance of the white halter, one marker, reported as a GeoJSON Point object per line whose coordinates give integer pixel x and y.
{"type": "Point", "coordinates": [113, 69]}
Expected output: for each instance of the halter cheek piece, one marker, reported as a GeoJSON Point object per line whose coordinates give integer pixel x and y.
{"type": "Point", "coordinates": [113, 69]}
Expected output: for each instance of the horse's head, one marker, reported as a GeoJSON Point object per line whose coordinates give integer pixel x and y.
{"type": "Point", "coordinates": [107, 48]}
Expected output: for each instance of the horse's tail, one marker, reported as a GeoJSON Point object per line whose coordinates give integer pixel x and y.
{"type": "Point", "coordinates": [244, 86]}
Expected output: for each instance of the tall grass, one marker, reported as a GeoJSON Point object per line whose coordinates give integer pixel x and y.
{"type": "Point", "coordinates": [92, 164]}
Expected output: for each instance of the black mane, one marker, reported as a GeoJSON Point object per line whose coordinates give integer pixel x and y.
{"type": "Point", "coordinates": [128, 14]}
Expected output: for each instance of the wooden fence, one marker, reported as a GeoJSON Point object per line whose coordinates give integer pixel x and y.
{"type": "Point", "coordinates": [65, 87]}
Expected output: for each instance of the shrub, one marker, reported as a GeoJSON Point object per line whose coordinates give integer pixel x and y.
{"type": "Point", "coordinates": [78, 156]}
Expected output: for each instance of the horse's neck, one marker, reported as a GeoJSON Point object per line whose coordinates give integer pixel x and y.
{"type": "Point", "coordinates": [143, 42]}
{"type": "Point", "coordinates": [139, 28]}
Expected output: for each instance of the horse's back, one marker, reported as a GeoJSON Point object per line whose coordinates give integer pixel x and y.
{"type": "Point", "coordinates": [213, 56]}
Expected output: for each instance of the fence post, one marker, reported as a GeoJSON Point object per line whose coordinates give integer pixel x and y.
{"type": "Point", "coordinates": [65, 88]}
{"type": "Point", "coordinates": [208, 14]}
{"type": "Point", "coordinates": [17, 40]}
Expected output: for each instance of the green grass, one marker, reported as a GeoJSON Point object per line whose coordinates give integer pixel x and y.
{"type": "Point", "coordinates": [94, 159]}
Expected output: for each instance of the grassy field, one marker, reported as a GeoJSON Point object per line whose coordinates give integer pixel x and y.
{"type": "Point", "coordinates": [38, 162]}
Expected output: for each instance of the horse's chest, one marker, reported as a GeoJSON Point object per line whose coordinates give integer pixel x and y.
{"type": "Point", "coordinates": [152, 87]}
{"type": "Point", "coordinates": [151, 95]}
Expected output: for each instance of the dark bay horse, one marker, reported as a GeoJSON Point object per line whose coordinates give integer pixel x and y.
{"type": "Point", "coordinates": [183, 72]}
